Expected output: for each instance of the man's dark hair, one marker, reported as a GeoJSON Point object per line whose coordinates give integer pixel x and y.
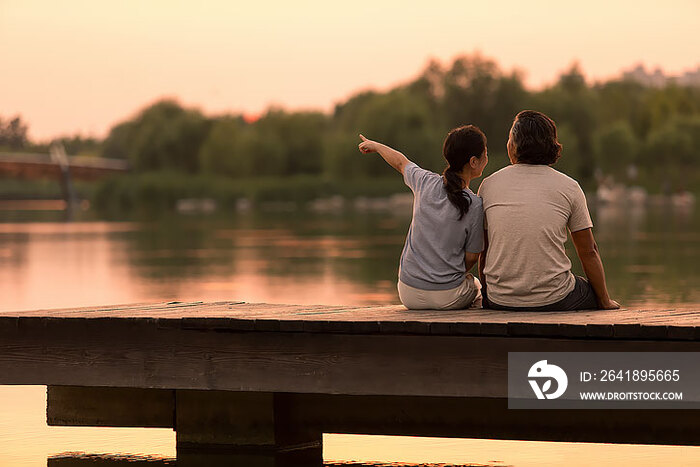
{"type": "Point", "coordinates": [535, 138]}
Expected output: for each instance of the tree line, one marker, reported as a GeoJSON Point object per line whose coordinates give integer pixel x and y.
{"type": "Point", "coordinates": [617, 127]}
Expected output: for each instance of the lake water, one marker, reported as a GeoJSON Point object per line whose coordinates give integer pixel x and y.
{"type": "Point", "coordinates": [651, 257]}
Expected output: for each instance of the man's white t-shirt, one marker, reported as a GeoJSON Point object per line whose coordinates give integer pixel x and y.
{"type": "Point", "coordinates": [527, 210]}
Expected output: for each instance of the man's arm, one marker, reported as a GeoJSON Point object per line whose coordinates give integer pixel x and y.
{"type": "Point", "coordinates": [587, 251]}
{"type": "Point", "coordinates": [393, 157]}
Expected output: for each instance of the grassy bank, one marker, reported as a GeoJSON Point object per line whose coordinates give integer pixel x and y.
{"type": "Point", "coordinates": [162, 190]}
{"type": "Point", "coordinates": [22, 189]}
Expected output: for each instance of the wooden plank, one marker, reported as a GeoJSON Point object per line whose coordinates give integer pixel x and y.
{"type": "Point", "coordinates": [392, 319]}
{"type": "Point", "coordinates": [658, 331]}
{"type": "Point", "coordinates": [604, 331]}
{"type": "Point", "coordinates": [241, 418]}
{"type": "Point", "coordinates": [682, 333]}
{"type": "Point", "coordinates": [139, 353]}
{"type": "Point", "coordinates": [120, 407]}
{"type": "Point", "coordinates": [369, 312]}
{"type": "Point", "coordinates": [257, 420]}
{"type": "Point", "coordinates": [490, 418]}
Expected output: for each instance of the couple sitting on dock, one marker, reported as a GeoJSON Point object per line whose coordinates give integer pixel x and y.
{"type": "Point", "coordinates": [515, 227]}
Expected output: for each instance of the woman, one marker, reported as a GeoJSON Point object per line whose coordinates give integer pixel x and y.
{"type": "Point", "coordinates": [528, 208]}
{"type": "Point", "coordinates": [446, 232]}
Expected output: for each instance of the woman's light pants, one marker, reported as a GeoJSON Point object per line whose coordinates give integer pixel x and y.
{"type": "Point", "coordinates": [466, 295]}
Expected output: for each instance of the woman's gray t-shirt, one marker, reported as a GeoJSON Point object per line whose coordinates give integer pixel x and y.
{"type": "Point", "coordinates": [433, 255]}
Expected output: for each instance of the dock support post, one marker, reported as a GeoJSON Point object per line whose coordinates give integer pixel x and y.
{"type": "Point", "coordinates": [258, 428]}
{"type": "Point", "coordinates": [58, 156]}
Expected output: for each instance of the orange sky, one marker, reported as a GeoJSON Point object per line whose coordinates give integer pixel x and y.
{"type": "Point", "coordinates": [81, 65]}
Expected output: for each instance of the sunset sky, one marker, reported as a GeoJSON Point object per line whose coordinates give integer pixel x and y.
{"type": "Point", "coordinates": [74, 66]}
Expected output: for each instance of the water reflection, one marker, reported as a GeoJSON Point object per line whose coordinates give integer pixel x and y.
{"type": "Point", "coordinates": [78, 459]}
{"type": "Point", "coordinates": [97, 460]}
{"type": "Point", "coordinates": [26, 440]}
{"type": "Point", "coordinates": [651, 259]}
{"type": "Point", "coordinates": [395, 451]}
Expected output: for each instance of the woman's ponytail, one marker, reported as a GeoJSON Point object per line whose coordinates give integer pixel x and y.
{"type": "Point", "coordinates": [453, 186]}
{"type": "Point", "coordinates": [460, 146]}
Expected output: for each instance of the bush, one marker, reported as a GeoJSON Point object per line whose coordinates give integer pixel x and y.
{"type": "Point", "coordinates": [159, 191]}
{"type": "Point", "coordinates": [615, 148]}
{"type": "Point", "coordinates": [164, 136]}
{"type": "Point", "coordinates": [218, 152]}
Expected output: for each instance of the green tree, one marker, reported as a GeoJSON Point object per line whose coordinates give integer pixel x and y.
{"type": "Point", "coordinates": [300, 135]}
{"type": "Point", "coordinates": [217, 154]}
{"type": "Point", "coordinates": [163, 136]}
{"type": "Point", "coordinates": [79, 145]}
{"type": "Point", "coordinates": [622, 100]}
{"type": "Point", "coordinates": [662, 105]}
{"type": "Point", "coordinates": [277, 144]}
{"type": "Point", "coordinates": [257, 154]}
{"type": "Point", "coordinates": [607, 125]}
{"type": "Point", "coordinates": [343, 161]}
{"type": "Point", "coordinates": [476, 91]}
{"type": "Point", "coordinates": [570, 161]}
{"type": "Point", "coordinates": [118, 144]}
{"type": "Point", "coordinates": [669, 154]}
{"type": "Point", "coordinates": [401, 118]}
{"type": "Point", "coordinates": [570, 101]}
{"type": "Point", "coordinates": [13, 133]}
{"type": "Point", "coordinates": [615, 148]}
{"type": "Point", "coordinates": [670, 145]}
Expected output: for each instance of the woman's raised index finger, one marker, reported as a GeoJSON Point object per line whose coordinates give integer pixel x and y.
{"type": "Point", "coordinates": [362, 137]}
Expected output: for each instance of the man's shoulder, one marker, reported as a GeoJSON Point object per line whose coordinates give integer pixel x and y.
{"type": "Point", "coordinates": [500, 173]}
{"type": "Point", "coordinates": [495, 177]}
{"type": "Point", "coordinates": [563, 179]}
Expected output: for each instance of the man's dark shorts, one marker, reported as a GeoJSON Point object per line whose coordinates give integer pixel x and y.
{"type": "Point", "coordinates": [581, 298]}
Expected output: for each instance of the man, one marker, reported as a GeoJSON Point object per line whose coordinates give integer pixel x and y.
{"type": "Point", "coordinates": [528, 208]}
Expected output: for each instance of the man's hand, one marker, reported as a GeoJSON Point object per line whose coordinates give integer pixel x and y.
{"type": "Point", "coordinates": [609, 305]}
{"type": "Point", "coordinates": [367, 145]}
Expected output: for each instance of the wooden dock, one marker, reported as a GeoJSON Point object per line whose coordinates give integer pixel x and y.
{"type": "Point", "coordinates": [32, 165]}
{"type": "Point", "coordinates": [270, 379]}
